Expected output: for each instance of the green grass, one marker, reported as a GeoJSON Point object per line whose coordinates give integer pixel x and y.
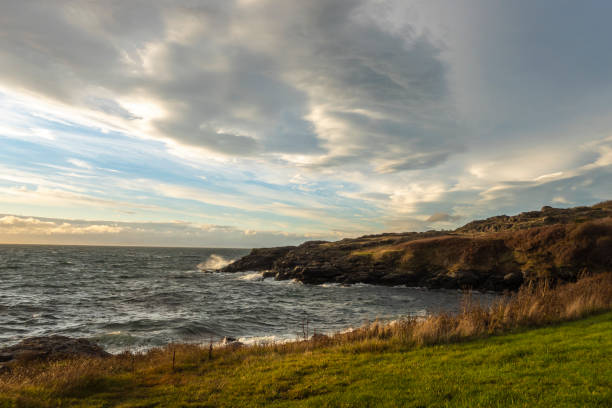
{"type": "Point", "coordinates": [564, 365]}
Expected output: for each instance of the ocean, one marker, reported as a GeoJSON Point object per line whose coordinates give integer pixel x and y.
{"type": "Point", "coordinates": [134, 298]}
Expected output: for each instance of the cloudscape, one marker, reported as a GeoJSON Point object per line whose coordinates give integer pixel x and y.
{"type": "Point", "coordinates": [257, 123]}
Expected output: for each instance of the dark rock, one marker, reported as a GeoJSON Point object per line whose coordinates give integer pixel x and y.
{"type": "Point", "coordinates": [231, 342]}
{"type": "Point", "coordinates": [466, 278]}
{"type": "Point", "coordinates": [499, 253]}
{"type": "Point", "coordinates": [51, 348]}
{"type": "Point", "coordinates": [513, 280]}
{"type": "Point", "coordinates": [547, 215]}
{"type": "Point", "coordinates": [260, 259]}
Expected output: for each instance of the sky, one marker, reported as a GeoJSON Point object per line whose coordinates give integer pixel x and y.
{"type": "Point", "coordinates": [255, 123]}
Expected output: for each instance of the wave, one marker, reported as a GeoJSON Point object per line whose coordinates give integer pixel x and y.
{"type": "Point", "coordinates": [345, 285]}
{"type": "Point", "coordinates": [193, 330]}
{"type": "Point", "coordinates": [213, 263]}
{"type": "Point", "coordinates": [255, 276]}
{"type": "Point", "coordinates": [331, 285]}
{"type": "Point", "coordinates": [262, 340]}
{"type": "Point", "coordinates": [281, 282]}
{"type": "Point", "coordinates": [118, 341]}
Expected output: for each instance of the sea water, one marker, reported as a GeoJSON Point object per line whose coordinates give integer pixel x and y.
{"type": "Point", "coordinates": [134, 298]}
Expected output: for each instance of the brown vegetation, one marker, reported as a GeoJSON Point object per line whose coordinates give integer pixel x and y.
{"type": "Point", "coordinates": [500, 253]}
{"type": "Point", "coordinates": [531, 306]}
{"type": "Point", "coordinates": [546, 216]}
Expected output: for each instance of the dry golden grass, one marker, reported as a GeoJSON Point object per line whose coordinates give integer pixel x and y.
{"type": "Point", "coordinates": [531, 306]}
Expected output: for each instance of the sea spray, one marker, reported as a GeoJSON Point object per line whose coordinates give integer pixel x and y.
{"type": "Point", "coordinates": [213, 263]}
{"type": "Point", "coordinates": [255, 276]}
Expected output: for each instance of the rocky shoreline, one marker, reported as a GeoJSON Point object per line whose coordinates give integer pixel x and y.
{"type": "Point", "coordinates": [499, 253]}
{"type": "Point", "coordinates": [48, 348]}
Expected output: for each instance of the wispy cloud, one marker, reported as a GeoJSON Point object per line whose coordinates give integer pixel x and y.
{"type": "Point", "coordinates": [80, 164]}
{"type": "Point", "coordinates": [322, 117]}
{"type": "Point", "coordinates": [19, 230]}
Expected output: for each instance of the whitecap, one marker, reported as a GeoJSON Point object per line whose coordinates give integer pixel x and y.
{"type": "Point", "coordinates": [213, 263]}
{"type": "Point", "coordinates": [330, 285]}
{"type": "Point", "coordinates": [262, 340]}
{"type": "Point", "coordinates": [255, 276]}
{"type": "Point", "coordinates": [362, 285]}
{"type": "Point", "coordinates": [273, 281]}
{"type": "Point", "coordinates": [345, 285]}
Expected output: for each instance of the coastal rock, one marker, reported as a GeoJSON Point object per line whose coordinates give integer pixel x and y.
{"type": "Point", "coordinates": [259, 259]}
{"type": "Point", "coordinates": [231, 342]}
{"type": "Point", "coordinates": [546, 216]}
{"type": "Point", "coordinates": [499, 253]}
{"type": "Point", "coordinates": [50, 348]}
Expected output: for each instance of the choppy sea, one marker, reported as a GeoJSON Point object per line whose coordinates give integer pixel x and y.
{"type": "Point", "coordinates": [133, 298]}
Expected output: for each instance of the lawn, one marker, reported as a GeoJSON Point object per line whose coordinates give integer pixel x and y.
{"type": "Point", "coordinates": [568, 364]}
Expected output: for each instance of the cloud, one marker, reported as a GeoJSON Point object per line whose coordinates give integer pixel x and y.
{"type": "Point", "coordinates": [12, 225]}
{"type": "Point", "coordinates": [228, 78]}
{"type": "Point", "coordinates": [420, 161]}
{"type": "Point", "coordinates": [328, 116]}
{"type": "Point", "coordinates": [21, 229]}
{"type": "Point", "coordinates": [443, 217]}
{"type": "Point", "coordinates": [560, 200]}
{"type": "Point", "coordinates": [80, 163]}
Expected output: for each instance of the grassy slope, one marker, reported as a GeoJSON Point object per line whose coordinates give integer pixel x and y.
{"type": "Point", "coordinates": [499, 253]}
{"type": "Point", "coordinates": [562, 365]}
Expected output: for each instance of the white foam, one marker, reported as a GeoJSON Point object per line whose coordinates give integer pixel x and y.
{"type": "Point", "coordinates": [344, 285]}
{"type": "Point", "coordinates": [362, 285]}
{"type": "Point", "coordinates": [330, 285]}
{"type": "Point", "coordinates": [262, 340]}
{"type": "Point", "coordinates": [273, 281]}
{"type": "Point", "coordinates": [213, 263]}
{"type": "Point", "coordinates": [255, 276]}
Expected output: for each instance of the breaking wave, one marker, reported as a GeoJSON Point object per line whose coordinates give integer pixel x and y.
{"type": "Point", "coordinates": [213, 263]}
{"type": "Point", "coordinates": [255, 276]}
{"type": "Point", "coordinates": [263, 340]}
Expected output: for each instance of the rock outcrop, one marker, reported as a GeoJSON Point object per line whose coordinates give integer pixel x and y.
{"type": "Point", "coordinates": [259, 259]}
{"type": "Point", "coordinates": [546, 216]}
{"type": "Point", "coordinates": [495, 254]}
{"type": "Point", "coordinates": [49, 348]}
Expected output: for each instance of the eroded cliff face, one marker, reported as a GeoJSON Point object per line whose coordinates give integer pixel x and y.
{"type": "Point", "coordinates": [259, 259]}
{"type": "Point", "coordinates": [481, 255]}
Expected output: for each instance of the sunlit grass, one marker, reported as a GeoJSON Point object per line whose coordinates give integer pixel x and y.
{"type": "Point", "coordinates": [442, 360]}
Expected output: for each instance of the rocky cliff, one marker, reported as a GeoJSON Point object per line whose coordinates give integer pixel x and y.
{"type": "Point", "coordinates": [494, 254]}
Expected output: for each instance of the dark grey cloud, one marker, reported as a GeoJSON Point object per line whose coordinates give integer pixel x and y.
{"type": "Point", "coordinates": [238, 78]}
{"type": "Point", "coordinates": [536, 65]}
{"type": "Point", "coordinates": [109, 106]}
{"type": "Point", "coordinates": [412, 107]}
{"type": "Point", "coordinates": [66, 48]}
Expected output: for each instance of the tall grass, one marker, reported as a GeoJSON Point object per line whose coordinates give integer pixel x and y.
{"type": "Point", "coordinates": [531, 306]}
